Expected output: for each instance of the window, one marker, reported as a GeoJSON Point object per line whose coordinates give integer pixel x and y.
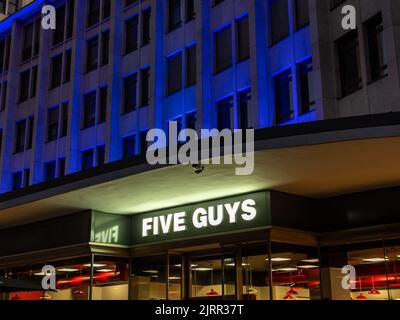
{"type": "Point", "coordinates": [13, 6]}
{"type": "Point", "coordinates": [129, 2]}
{"type": "Point", "coordinates": [3, 6]}
{"type": "Point", "coordinates": [145, 79]}
{"type": "Point", "coordinates": [217, 2]}
{"type": "Point", "coordinates": [20, 136]}
{"type": "Point", "coordinates": [174, 73]}
{"type": "Point", "coordinates": [70, 23]}
{"type": "Point", "coordinates": [93, 12]}
{"type": "Point", "coordinates": [131, 34]}
{"type": "Point", "coordinates": [279, 20]}
{"type": "Point", "coordinates": [376, 51]}
{"type": "Point", "coordinates": [129, 146]}
{"type": "Point", "coordinates": [106, 9]}
{"type": "Point", "coordinates": [67, 66]}
{"type": "Point", "coordinates": [302, 13]}
{"type": "Point", "coordinates": [225, 114]}
{"type": "Point", "coordinates": [102, 116]}
{"type": "Point", "coordinates": [243, 49]}
{"type": "Point", "coordinates": [27, 42]}
{"type": "Point", "coordinates": [92, 54]}
{"type": "Point", "coordinates": [105, 47]}
{"type": "Point", "coordinates": [8, 47]}
{"type": "Point", "coordinates": [61, 167]}
{"type": "Point", "coordinates": [2, 53]}
{"type": "Point", "coordinates": [306, 79]}
{"type": "Point", "coordinates": [52, 124]}
{"type": "Point", "coordinates": [101, 155]}
{"type": "Point", "coordinates": [245, 109]}
{"type": "Point", "coordinates": [191, 120]}
{"type": "Point", "coordinates": [50, 171]}
{"type": "Point", "coordinates": [146, 18]}
{"type": "Point", "coordinates": [349, 63]}
{"type": "Point", "coordinates": [190, 11]}
{"type": "Point", "coordinates": [336, 3]}
{"type": "Point", "coordinates": [64, 119]}
{"type": "Point", "coordinates": [130, 93]}
{"type": "Point", "coordinates": [191, 66]}
{"type": "Point", "coordinates": [30, 133]}
{"type": "Point", "coordinates": [174, 14]}
{"type": "Point", "coordinates": [27, 173]}
{"type": "Point", "coordinates": [56, 70]}
{"type": "Point", "coordinates": [1, 140]}
{"type": "Point", "coordinates": [284, 110]}
{"type": "Point", "coordinates": [4, 96]}
{"type": "Point", "coordinates": [223, 49]}
{"type": "Point", "coordinates": [34, 81]}
{"type": "Point", "coordinates": [143, 142]}
{"type": "Point", "coordinates": [36, 42]}
{"type": "Point", "coordinates": [58, 35]}
{"type": "Point", "coordinates": [17, 181]}
{"type": "Point", "coordinates": [24, 86]}
{"type": "Point", "coordinates": [87, 159]}
{"type": "Point", "coordinates": [89, 110]}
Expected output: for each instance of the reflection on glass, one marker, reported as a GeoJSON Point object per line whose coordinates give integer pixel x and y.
{"type": "Point", "coordinates": [175, 277]}
{"type": "Point", "coordinates": [206, 277]}
{"type": "Point", "coordinates": [110, 278]}
{"type": "Point", "coordinates": [255, 272]}
{"type": "Point", "coordinates": [149, 278]}
{"type": "Point", "coordinates": [295, 272]}
{"type": "Point", "coordinates": [229, 276]}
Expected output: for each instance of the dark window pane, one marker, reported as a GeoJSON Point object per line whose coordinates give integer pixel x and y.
{"type": "Point", "coordinates": [58, 35]}
{"type": "Point", "coordinates": [103, 105]}
{"type": "Point", "coordinates": [131, 34]}
{"type": "Point", "coordinates": [87, 159]}
{"type": "Point", "coordinates": [223, 49]}
{"type": "Point", "coordinates": [27, 173]}
{"type": "Point", "coordinates": [349, 63]}
{"type": "Point", "coordinates": [302, 14]}
{"type": "Point", "coordinates": [146, 18]}
{"type": "Point", "coordinates": [376, 53]}
{"type": "Point", "coordinates": [225, 114]}
{"type": "Point", "coordinates": [129, 146]}
{"type": "Point", "coordinates": [13, 6]}
{"type": "Point", "coordinates": [243, 49]}
{"type": "Point", "coordinates": [56, 70]}
{"type": "Point", "coordinates": [89, 110]}
{"type": "Point", "coordinates": [64, 119]}
{"type": "Point", "coordinates": [24, 86]}
{"type": "Point", "coordinates": [190, 10]}
{"type": "Point", "coordinates": [2, 54]}
{"type": "Point", "coordinates": [145, 95]}
{"type": "Point", "coordinates": [129, 2]}
{"type": "Point", "coordinates": [307, 97]}
{"type": "Point", "coordinates": [61, 167]}
{"type": "Point", "coordinates": [70, 21]}
{"type": "Point", "coordinates": [34, 81]}
{"type": "Point", "coordinates": [67, 66]}
{"type": "Point", "coordinates": [4, 96]}
{"type": "Point", "coordinates": [27, 42]}
{"type": "Point", "coordinates": [174, 73]}
{"type": "Point", "coordinates": [92, 54]}
{"type": "Point", "coordinates": [101, 155]}
{"type": "Point", "coordinates": [174, 14]}
{"type": "Point", "coordinates": [30, 133]}
{"type": "Point", "coordinates": [191, 66]}
{"type": "Point", "coordinates": [93, 13]}
{"type": "Point", "coordinates": [52, 124]}
{"type": "Point", "coordinates": [106, 9]}
{"type": "Point", "coordinates": [36, 43]}
{"type": "Point", "coordinates": [17, 181]}
{"type": "Point", "coordinates": [279, 19]}
{"type": "Point", "coordinates": [8, 47]}
{"type": "Point", "coordinates": [105, 47]}
{"type": "Point", "coordinates": [50, 171]}
{"type": "Point", "coordinates": [130, 93]}
{"type": "Point", "coordinates": [143, 142]}
{"type": "Point", "coordinates": [284, 110]}
{"type": "Point", "coordinates": [191, 120]}
{"type": "Point", "coordinates": [245, 111]}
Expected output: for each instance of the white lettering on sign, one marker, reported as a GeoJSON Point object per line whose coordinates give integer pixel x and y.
{"type": "Point", "coordinates": [201, 218]}
{"type": "Point", "coordinates": [107, 236]}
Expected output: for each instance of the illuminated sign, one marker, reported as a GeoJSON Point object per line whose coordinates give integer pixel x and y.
{"type": "Point", "coordinates": [238, 213]}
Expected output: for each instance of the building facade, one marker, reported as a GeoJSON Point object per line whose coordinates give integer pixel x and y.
{"type": "Point", "coordinates": [77, 102]}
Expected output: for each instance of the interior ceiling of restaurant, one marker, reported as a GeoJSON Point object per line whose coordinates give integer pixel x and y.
{"type": "Point", "coordinates": [316, 171]}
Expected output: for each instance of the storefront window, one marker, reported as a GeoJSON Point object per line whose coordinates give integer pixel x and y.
{"type": "Point", "coordinates": [255, 272]}
{"type": "Point", "coordinates": [175, 277]}
{"type": "Point", "coordinates": [295, 272]}
{"type": "Point", "coordinates": [392, 250]}
{"type": "Point", "coordinates": [110, 278]}
{"type": "Point", "coordinates": [206, 275]}
{"type": "Point", "coordinates": [149, 281]}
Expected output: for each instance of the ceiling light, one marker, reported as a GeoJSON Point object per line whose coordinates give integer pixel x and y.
{"type": "Point", "coordinates": [311, 260]}
{"type": "Point", "coordinates": [105, 270]}
{"type": "Point", "coordinates": [307, 267]}
{"type": "Point", "coordinates": [279, 259]}
{"type": "Point", "coordinates": [67, 270]}
{"type": "Point", "coordinates": [174, 278]}
{"type": "Point", "coordinates": [376, 259]}
{"type": "Point", "coordinates": [287, 269]}
{"type": "Point", "coordinates": [232, 264]}
{"type": "Point", "coordinates": [150, 271]}
{"type": "Point", "coordinates": [95, 265]}
{"type": "Point", "coordinates": [202, 269]}
{"type": "Point", "coordinates": [39, 274]}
